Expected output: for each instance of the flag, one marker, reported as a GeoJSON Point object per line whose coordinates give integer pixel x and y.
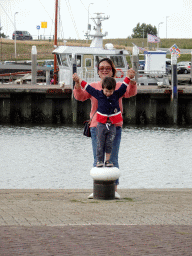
{"type": "Point", "coordinates": [153, 39]}
{"type": "Point", "coordinates": [175, 50]}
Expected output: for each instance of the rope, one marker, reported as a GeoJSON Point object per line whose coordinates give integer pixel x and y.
{"type": "Point", "coordinates": [72, 18]}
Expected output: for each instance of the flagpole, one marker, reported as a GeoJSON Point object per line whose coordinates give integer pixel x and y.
{"type": "Point", "coordinates": [147, 41]}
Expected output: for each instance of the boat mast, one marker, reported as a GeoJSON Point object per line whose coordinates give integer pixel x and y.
{"type": "Point", "coordinates": [55, 42]}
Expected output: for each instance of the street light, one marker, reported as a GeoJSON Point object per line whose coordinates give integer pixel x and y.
{"type": "Point", "coordinates": [88, 26]}
{"type": "Point", "coordinates": [158, 33]}
{"type": "Point", "coordinates": [158, 27]}
{"type": "Point", "coordinates": [166, 25]}
{"type": "Point", "coordinates": [15, 34]}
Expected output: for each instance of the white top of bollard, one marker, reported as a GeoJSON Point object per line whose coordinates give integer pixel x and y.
{"type": "Point", "coordinates": [34, 50]}
{"type": "Point", "coordinates": [105, 173]}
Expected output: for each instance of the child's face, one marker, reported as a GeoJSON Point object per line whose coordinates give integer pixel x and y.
{"type": "Point", "coordinates": [107, 92]}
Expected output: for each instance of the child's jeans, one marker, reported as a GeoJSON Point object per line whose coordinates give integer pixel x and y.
{"type": "Point", "coordinates": [115, 150]}
{"type": "Point", "coordinates": [105, 137]}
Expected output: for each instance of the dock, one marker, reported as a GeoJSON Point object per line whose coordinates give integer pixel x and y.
{"type": "Point", "coordinates": [65, 222]}
{"type": "Point", "coordinates": [48, 104]}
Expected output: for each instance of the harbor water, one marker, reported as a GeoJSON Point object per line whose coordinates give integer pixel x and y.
{"type": "Point", "coordinates": [60, 157]}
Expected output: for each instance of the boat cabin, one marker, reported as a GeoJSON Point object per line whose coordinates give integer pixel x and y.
{"type": "Point", "coordinates": [87, 58]}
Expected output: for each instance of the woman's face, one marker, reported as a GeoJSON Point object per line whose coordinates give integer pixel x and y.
{"type": "Point", "coordinates": [105, 69]}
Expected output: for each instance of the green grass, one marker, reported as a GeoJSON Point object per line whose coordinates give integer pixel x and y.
{"type": "Point", "coordinates": [45, 48]}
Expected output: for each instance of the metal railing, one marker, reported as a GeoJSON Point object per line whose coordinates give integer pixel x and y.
{"type": "Point", "coordinates": [89, 75]}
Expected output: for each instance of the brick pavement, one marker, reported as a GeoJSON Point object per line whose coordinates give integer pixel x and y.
{"type": "Point", "coordinates": [65, 222]}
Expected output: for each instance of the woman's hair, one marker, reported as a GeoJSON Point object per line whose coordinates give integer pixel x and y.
{"type": "Point", "coordinates": [109, 83]}
{"type": "Point", "coordinates": [110, 63]}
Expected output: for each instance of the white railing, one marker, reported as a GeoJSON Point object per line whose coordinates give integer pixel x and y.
{"type": "Point", "coordinates": [155, 73]}
{"type": "Point", "coordinates": [89, 75]}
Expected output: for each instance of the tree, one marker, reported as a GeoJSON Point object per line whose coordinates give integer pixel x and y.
{"type": "Point", "coordinates": [143, 29]}
{"type": "Point", "coordinates": [2, 34]}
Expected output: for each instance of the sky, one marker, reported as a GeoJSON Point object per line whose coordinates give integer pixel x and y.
{"type": "Point", "coordinates": [124, 15]}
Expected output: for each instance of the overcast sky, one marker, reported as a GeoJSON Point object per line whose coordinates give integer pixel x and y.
{"type": "Point", "coordinates": [176, 15]}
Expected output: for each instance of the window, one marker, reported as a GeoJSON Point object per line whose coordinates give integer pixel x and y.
{"type": "Point", "coordinates": [78, 60]}
{"type": "Point", "coordinates": [98, 58]}
{"type": "Point", "coordinates": [88, 63]}
{"type": "Point", "coordinates": [64, 60]}
{"type": "Point", "coordinates": [118, 61]}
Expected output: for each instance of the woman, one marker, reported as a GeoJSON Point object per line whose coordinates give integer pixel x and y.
{"type": "Point", "coordinates": [106, 68]}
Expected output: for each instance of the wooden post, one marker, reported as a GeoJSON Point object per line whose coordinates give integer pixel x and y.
{"type": "Point", "coordinates": [34, 65]}
{"type": "Point", "coordinates": [174, 96]}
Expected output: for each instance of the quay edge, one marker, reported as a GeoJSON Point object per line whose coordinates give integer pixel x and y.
{"type": "Point", "coordinates": [34, 104]}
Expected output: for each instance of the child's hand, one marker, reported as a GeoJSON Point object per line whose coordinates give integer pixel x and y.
{"type": "Point", "coordinates": [130, 73]}
{"type": "Point", "coordinates": [76, 78]}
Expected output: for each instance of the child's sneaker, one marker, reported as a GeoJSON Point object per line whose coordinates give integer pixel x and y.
{"type": "Point", "coordinates": [100, 164]}
{"type": "Point", "coordinates": [108, 164]}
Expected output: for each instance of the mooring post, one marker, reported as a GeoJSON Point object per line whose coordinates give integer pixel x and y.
{"type": "Point", "coordinates": [104, 182]}
{"type": "Point", "coordinates": [74, 101]}
{"type": "Point", "coordinates": [34, 65]}
{"type": "Point", "coordinates": [47, 77]}
{"type": "Point", "coordinates": [174, 96]}
{"type": "Point", "coordinates": [135, 61]}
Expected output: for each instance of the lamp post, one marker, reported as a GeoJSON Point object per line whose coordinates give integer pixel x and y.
{"type": "Point", "coordinates": [166, 25]}
{"type": "Point", "coordinates": [143, 37]}
{"type": "Point", "coordinates": [158, 33]}
{"type": "Point", "coordinates": [15, 34]}
{"type": "Point", "coordinates": [88, 25]}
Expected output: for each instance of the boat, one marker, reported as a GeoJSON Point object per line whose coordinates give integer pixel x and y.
{"type": "Point", "coordinates": [154, 71]}
{"type": "Point", "coordinates": [87, 58]}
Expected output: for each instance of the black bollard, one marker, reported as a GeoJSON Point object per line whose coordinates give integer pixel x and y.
{"type": "Point", "coordinates": [104, 190]}
{"type": "Point", "coordinates": [174, 97]}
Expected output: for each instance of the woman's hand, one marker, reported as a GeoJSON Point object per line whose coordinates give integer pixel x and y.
{"type": "Point", "coordinates": [77, 80]}
{"type": "Point", "coordinates": [130, 73]}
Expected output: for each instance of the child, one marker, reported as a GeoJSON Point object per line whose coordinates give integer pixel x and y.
{"type": "Point", "coordinates": [108, 114]}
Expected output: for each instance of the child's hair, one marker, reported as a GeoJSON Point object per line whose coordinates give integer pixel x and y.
{"type": "Point", "coordinates": [109, 83]}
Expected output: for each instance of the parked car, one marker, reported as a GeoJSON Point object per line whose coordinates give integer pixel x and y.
{"type": "Point", "coordinates": [7, 62]}
{"type": "Point", "coordinates": [183, 67]}
{"type": "Point", "coordinates": [22, 35]}
{"type": "Point", "coordinates": [141, 64]}
{"type": "Point", "coordinates": [168, 66]}
{"type": "Point", "coordinates": [48, 63]}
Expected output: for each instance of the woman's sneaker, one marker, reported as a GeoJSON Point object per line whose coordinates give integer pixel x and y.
{"type": "Point", "coordinates": [99, 164]}
{"type": "Point", "coordinates": [108, 164]}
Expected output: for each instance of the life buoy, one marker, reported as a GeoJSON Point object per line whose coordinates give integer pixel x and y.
{"type": "Point", "coordinates": [121, 72]}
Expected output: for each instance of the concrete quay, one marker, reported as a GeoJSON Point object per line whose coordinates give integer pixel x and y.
{"type": "Point", "coordinates": [65, 222]}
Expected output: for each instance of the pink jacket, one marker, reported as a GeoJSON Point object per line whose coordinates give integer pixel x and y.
{"type": "Point", "coordinates": [82, 95]}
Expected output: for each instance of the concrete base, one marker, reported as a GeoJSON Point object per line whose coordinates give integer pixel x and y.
{"type": "Point", "coordinates": [104, 190]}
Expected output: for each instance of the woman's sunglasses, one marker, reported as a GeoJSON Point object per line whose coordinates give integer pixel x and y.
{"type": "Point", "coordinates": [105, 68]}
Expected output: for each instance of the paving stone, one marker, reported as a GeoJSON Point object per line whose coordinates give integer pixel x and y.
{"type": "Point", "coordinates": [65, 222]}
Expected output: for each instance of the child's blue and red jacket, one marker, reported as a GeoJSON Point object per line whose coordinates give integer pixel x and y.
{"type": "Point", "coordinates": [108, 107]}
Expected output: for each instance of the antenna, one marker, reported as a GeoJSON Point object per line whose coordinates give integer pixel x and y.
{"type": "Point", "coordinates": [98, 36]}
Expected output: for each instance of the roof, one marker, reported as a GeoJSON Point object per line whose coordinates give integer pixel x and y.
{"type": "Point", "coordinates": [155, 52]}
{"type": "Point", "coordinates": [87, 50]}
